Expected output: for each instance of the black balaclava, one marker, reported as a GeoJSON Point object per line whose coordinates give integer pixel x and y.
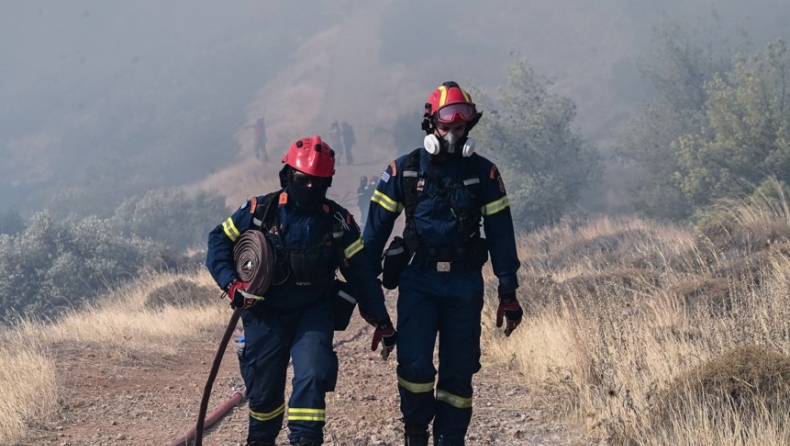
{"type": "Point", "coordinates": [303, 196]}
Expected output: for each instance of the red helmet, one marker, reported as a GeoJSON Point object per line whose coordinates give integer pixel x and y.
{"type": "Point", "coordinates": [311, 156]}
{"type": "Point", "coordinates": [449, 103]}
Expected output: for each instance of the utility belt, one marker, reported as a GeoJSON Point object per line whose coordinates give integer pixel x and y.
{"type": "Point", "coordinates": [400, 254]}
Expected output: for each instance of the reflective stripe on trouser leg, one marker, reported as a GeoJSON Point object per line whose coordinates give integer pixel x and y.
{"type": "Point", "coordinates": [459, 360]}
{"type": "Point", "coordinates": [418, 323]}
{"type": "Point", "coordinates": [264, 362]}
{"type": "Point", "coordinates": [315, 373]}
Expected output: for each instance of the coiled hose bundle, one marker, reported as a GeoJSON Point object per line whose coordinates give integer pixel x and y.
{"type": "Point", "coordinates": [254, 260]}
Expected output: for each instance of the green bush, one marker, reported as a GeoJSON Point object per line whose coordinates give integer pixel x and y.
{"type": "Point", "coordinates": [54, 264]}
{"type": "Point", "coordinates": [171, 217]}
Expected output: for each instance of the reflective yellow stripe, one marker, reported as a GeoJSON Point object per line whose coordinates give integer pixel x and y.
{"type": "Point", "coordinates": [266, 416]}
{"type": "Point", "coordinates": [230, 229]}
{"type": "Point", "coordinates": [296, 414]}
{"type": "Point", "coordinates": [442, 97]}
{"type": "Point", "coordinates": [415, 387]}
{"type": "Point", "coordinates": [466, 95]}
{"type": "Point", "coordinates": [386, 202]}
{"type": "Point", "coordinates": [453, 400]}
{"type": "Point", "coordinates": [495, 206]}
{"type": "Point", "coordinates": [354, 248]}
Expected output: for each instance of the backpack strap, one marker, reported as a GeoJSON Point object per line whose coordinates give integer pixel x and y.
{"type": "Point", "coordinates": [469, 225]}
{"type": "Point", "coordinates": [468, 220]}
{"type": "Point", "coordinates": [410, 177]}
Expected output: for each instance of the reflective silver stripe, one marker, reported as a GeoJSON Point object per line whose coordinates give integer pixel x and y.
{"type": "Point", "coordinates": [495, 206]}
{"type": "Point", "coordinates": [257, 222]}
{"type": "Point", "coordinates": [337, 234]}
{"type": "Point", "coordinates": [346, 296]}
{"type": "Point", "coordinates": [396, 251]}
{"type": "Point", "coordinates": [470, 181]}
{"type": "Point", "coordinates": [453, 400]}
{"type": "Point", "coordinates": [415, 387]}
{"type": "Point", "coordinates": [411, 173]}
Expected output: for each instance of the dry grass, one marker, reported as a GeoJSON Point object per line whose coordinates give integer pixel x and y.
{"type": "Point", "coordinates": [125, 321]}
{"type": "Point", "coordinates": [632, 327]}
{"type": "Point", "coordinates": [629, 323]}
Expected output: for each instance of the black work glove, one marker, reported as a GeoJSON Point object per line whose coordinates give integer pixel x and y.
{"type": "Point", "coordinates": [510, 309]}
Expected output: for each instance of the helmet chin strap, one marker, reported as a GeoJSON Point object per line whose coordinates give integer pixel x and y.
{"type": "Point", "coordinates": [434, 146]}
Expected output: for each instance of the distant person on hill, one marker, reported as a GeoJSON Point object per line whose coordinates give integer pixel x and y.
{"type": "Point", "coordinates": [364, 194]}
{"type": "Point", "coordinates": [335, 138]}
{"type": "Point", "coordinates": [447, 191]}
{"type": "Point", "coordinates": [294, 320]}
{"type": "Point", "coordinates": [349, 140]}
{"type": "Point", "coordinates": [260, 139]}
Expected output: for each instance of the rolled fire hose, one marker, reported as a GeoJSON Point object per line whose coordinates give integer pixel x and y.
{"type": "Point", "coordinates": [254, 260]}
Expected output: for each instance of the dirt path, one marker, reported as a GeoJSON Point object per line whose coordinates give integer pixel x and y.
{"type": "Point", "coordinates": [110, 399]}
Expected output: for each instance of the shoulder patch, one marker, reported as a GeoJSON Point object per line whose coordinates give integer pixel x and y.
{"type": "Point", "coordinates": [326, 208]}
{"type": "Point", "coordinates": [492, 174]}
{"type": "Point", "coordinates": [394, 169]}
{"type": "Point", "coordinates": [283, 198]}
{"type": "Point", "coordinates": [253, 204]}
{"type": "Point", "coordinates": [243, 206]}
{"type": "Point", "coordinates": [385, 177]}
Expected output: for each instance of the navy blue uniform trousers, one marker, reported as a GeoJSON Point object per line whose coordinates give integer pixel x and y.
{"type": "Point", "coordinates": [272, 337]}
{"type": "Point", "coordinates": [450, 304]}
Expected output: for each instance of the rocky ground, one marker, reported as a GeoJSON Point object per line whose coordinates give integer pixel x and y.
{"type": "Point", "coordinates": [148, 399]}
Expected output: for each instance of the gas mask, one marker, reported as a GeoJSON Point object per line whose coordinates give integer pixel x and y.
{"type": "Point", "coordinates": [451, 140]}
{"type": "Point", "coordinates": [436, 145]}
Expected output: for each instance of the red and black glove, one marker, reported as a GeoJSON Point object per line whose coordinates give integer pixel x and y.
{"type": "Point", "coordinates": [238, 295]}
{"type": "Point", "coordinates": [385, 335]}
{"type": "Point", "coordinates": [509, 309]}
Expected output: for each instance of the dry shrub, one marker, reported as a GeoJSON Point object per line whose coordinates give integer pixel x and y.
{"type": "Point", "coordinates": [746, 236]}
{"type": "Point", "coordinates": [744, 382]}
{"type": "Point", "coordinates": [708, 295]}
{"type": "Point", "coordinates": [602, 250]}
{"type": "Point", "coordinates": [180, 293]}
{"type": "Point", "coordinates": [623, 282]}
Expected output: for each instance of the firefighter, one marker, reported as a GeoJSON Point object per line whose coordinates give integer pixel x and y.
{"type": "Point", "coordinates": [446, 190]}
{"type": "Point", "coordinates": [295, 319]}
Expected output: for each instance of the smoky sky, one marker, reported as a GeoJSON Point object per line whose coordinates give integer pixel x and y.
{"type": "Point", "coordinates": [119, 97]}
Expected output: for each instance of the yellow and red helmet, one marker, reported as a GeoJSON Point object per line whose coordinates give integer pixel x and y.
{"type": "Point", "coordinates": [311, 156]}
{"type": "Point", "coordinates": [449, 103]}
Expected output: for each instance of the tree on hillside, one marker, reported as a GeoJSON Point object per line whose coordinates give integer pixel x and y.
{"type": "Point", "coordinates": [677, 66]}
{"type": "Point", "coordinates": [545, 163]}
{"type": "Point", "coordinates": [746, 140]}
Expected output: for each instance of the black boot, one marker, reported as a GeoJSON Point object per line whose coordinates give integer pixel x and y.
{"type": "Point", "coordinates": [416, 434]}
{"type": "Point", "coordinates": [260, 443]}
{"type": "Point", "coordinates": [308, 441]}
